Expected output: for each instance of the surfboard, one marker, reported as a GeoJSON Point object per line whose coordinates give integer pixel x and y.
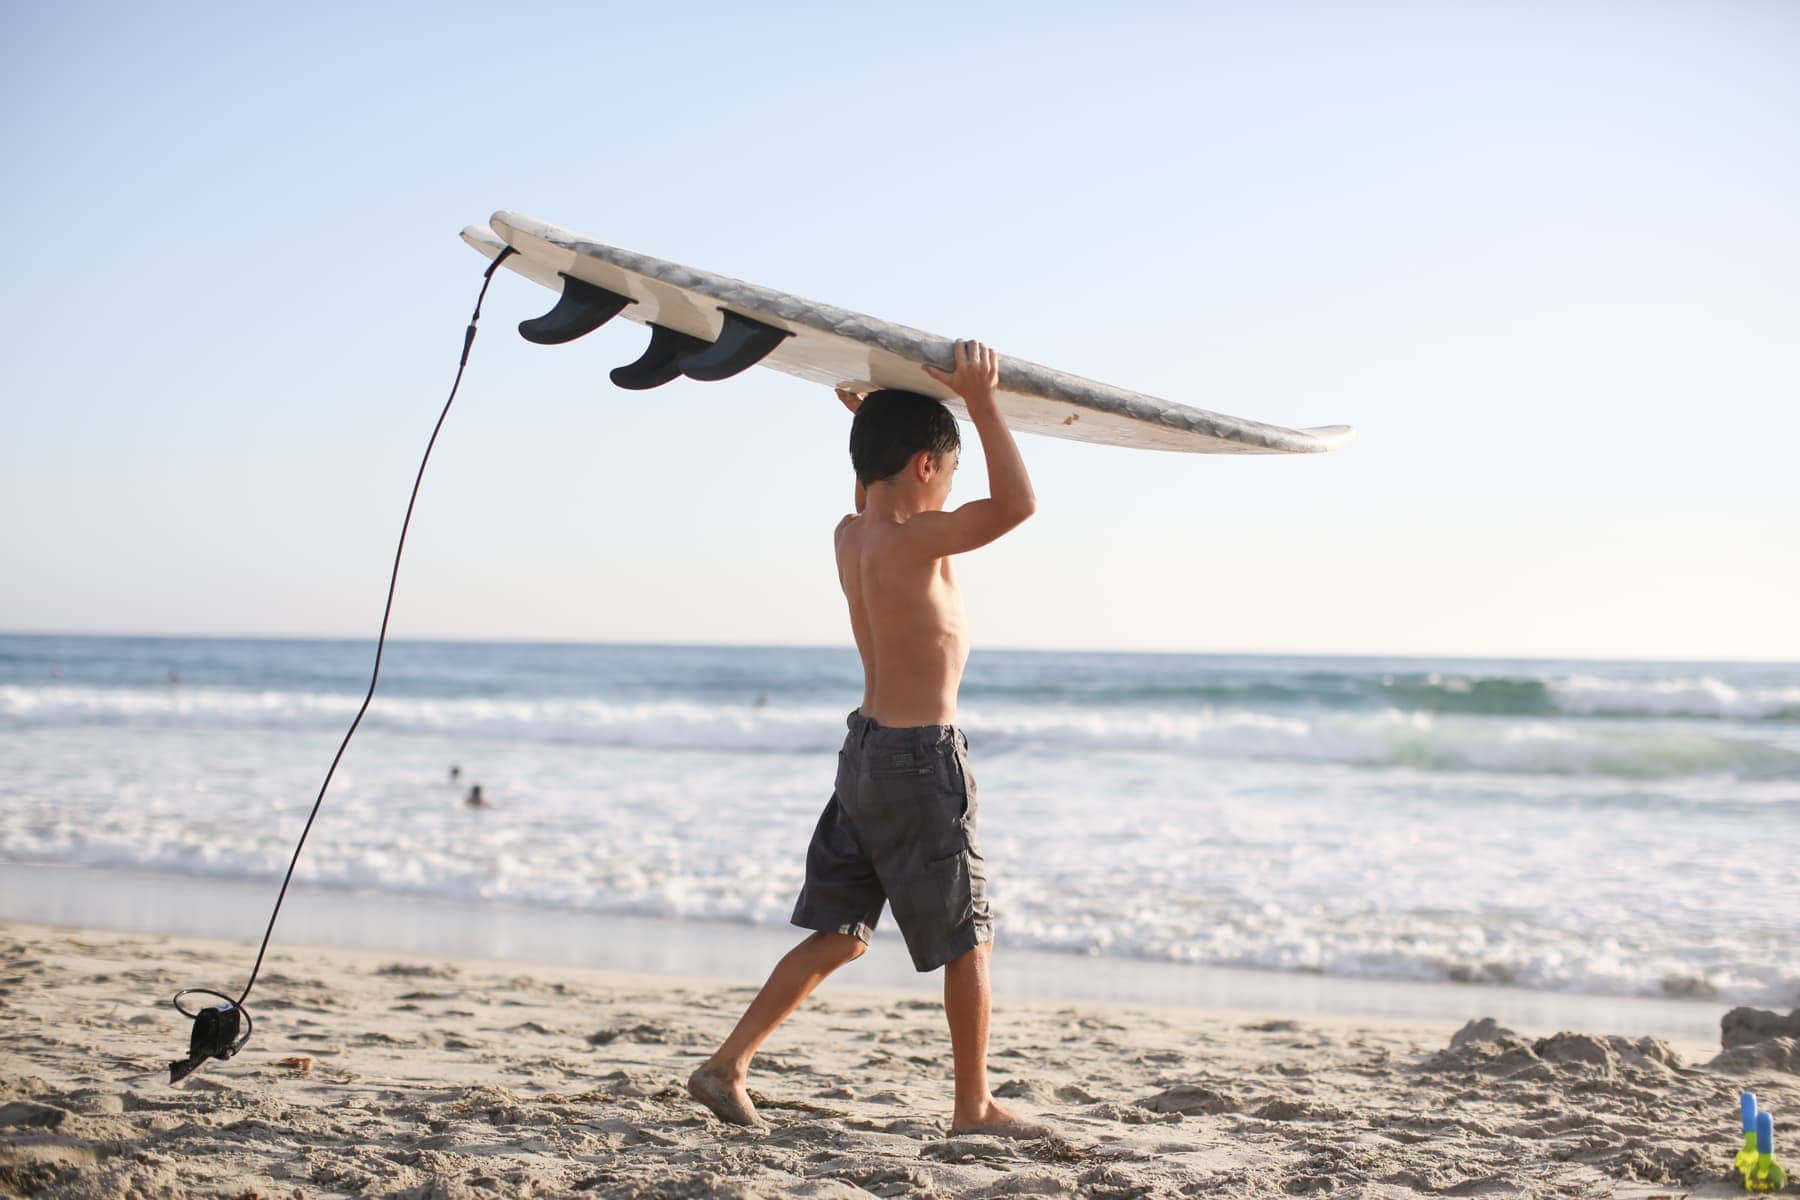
{"type": "Point", "coordinates": [710, 327]}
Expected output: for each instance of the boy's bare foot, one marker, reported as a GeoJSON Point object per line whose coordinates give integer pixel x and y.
{"type": "Point", "coordinates": [725, 1097]}
{"type": "Point", "coordinates": [996, 1120]}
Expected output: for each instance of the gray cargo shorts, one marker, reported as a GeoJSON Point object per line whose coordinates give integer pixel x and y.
{"type": "Point", "coordinates": [900, 829]}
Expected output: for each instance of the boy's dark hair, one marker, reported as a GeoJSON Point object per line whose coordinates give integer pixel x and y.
{"type": "Point", "coordinates": [893, 425]}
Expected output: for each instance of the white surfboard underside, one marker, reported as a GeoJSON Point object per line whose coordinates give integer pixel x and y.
{"type": "Point", "coordinates": [839, 348]}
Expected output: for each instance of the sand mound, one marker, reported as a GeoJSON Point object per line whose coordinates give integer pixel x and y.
{"type": "Point", "coordinates": [1486, 1047]}
{"type": "Point", "coordinates": [1775, 1054]}
{"type": "Point", "coordinates": [1743, 1026]}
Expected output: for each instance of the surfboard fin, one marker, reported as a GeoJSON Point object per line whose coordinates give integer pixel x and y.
{"type": "Point", "coordinates": [582, 308]}
{"type": "Point", "coordinates": [661, 360]}
{"type": "Point", "coordinates": [741, 344]}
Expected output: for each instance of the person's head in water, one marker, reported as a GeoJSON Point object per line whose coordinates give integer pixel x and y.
{"type": "Point", "coordinates": [907, 440]}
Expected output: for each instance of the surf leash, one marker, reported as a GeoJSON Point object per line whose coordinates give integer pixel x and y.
{"type": "Point", "coordinates": [215, 1033]}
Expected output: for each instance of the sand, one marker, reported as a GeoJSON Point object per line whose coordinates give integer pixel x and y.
{"type": "Point", "coordinates": [391, 1075]}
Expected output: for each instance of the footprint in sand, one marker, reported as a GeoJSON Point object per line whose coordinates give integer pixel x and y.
{"type": "Point", "coordinates": [884, 1180]}
{"type": "Point", "coordinates": [643, 1031]}
{"type": "Point", "coordinates": [1039, 1092]}
{"type": "Point", "coordinates": [1192, 1099]}
{"type": "Point", "coordinates": [968, 1149]}
{"type": "Point", "coordinates": [27, 1114]}
{"type": "Point", "coordinates": [1288, 1109]}
{"type": "Point", "coordinates": [916, 1128]}
{"type": "Point", "coordinates": [1160, 1056]}
{"type": "Point", "coordinates": [782, 1066]}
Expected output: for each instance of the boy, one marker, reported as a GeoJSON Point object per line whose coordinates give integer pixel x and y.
{"type": "Point", "coordinates": [900, 826]}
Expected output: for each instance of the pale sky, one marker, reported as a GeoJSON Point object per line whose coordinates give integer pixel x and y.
{"type": "Point", "coordinates": [1544, 257]}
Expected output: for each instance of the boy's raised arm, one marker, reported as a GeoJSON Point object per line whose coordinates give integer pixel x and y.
{"type": "Point", "coordinates": [1010, 499]}
{"type": "Point", "coordinates": [852, 401]}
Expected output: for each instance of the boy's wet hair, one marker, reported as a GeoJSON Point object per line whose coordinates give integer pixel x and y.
{"type": "Point", "coordinates": [893, 425]}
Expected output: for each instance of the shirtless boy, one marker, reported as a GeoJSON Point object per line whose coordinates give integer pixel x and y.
{"type": "Point", "coordinates": [900, 826]}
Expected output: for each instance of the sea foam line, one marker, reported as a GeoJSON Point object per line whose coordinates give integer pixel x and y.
{"type": "Point", "coordinates": [1386, 737]}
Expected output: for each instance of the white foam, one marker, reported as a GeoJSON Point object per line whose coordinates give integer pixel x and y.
{"type": "Point", "coordinates": [1544, 881]}
{"type": "Point", "coordinates": [1681, 696]}
{"type": "Point", "coordinates": [1387, 737]}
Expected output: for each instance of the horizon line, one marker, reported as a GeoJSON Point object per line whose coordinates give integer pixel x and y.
{"type": "Point", "coordinates": [716, 645]}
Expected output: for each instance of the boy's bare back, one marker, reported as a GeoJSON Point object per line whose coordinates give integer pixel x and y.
{"type": "Point", "coordinates": [907, 613]}
{"type": "Point", "coordinates": [893, 558]}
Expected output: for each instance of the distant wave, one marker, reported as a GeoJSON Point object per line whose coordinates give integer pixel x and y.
{"type": "Point", "coordinates": [1391, 736]}
{"type": "Point", "coordinates": [1701, 697]}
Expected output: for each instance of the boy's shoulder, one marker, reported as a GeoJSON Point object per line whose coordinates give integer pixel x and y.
{"type": "Point", "coordinates": [915, 539]}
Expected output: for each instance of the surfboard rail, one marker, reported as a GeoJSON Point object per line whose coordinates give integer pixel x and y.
{"type": "Point", "coordinates": [838, 347]}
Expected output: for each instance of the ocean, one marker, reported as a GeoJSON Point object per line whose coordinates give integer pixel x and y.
{"type": "Point", "coordinates": [1611, 828]}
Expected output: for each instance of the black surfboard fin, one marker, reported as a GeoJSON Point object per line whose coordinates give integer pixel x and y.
{"type": "Point", "coordinates": [741, 344]}
{"type": "Point", "coordinates": [582, 308]}
{"type": "Point", "coordinates": [660, 361]}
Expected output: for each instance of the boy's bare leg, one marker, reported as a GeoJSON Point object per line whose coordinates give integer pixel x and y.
{"type": "Point", "coordinates": [967, 1000]}
{"type": "Point", "coordinates": [718, 1082]}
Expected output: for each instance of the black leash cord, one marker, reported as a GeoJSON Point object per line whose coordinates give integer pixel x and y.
{"type": "Point", "coordinates": [223, 1042]}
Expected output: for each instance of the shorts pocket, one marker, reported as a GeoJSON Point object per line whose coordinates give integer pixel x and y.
{"type": "Point", "coordinates": [952, 891]}
{"type": "Point", "coordinates": [896, 764]}
{"type": "Point", "coordinates": [898, 772]}
{"type": "Point", "coordinates": [948, 864]}
{"type": "Point", "coordinates": [966, 784]}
